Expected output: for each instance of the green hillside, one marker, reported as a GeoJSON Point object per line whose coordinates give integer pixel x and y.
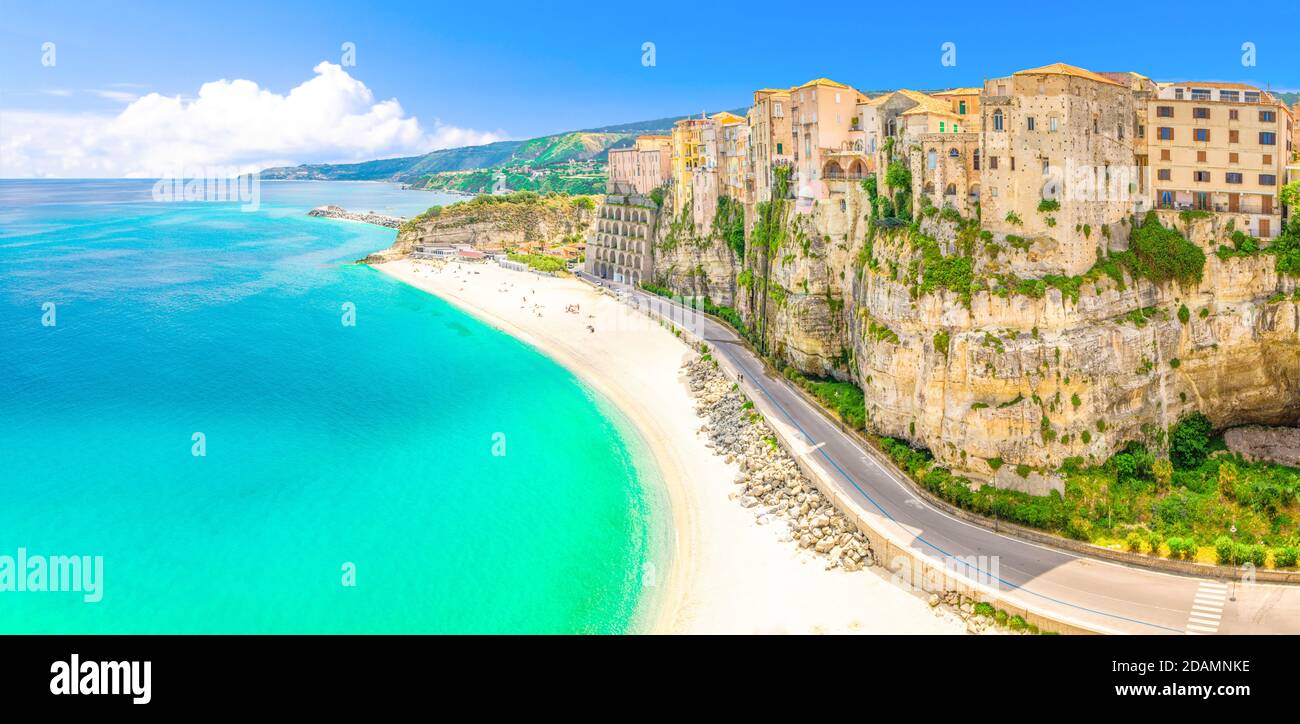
{"type": "Point", "coordinates": [572, 163]}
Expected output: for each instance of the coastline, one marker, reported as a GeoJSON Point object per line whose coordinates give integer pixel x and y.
{"type": "Point", "coordinates": [728, 574]}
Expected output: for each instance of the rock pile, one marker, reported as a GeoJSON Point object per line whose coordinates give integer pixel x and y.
{"type": "Point", "coordinates": [769, 481]}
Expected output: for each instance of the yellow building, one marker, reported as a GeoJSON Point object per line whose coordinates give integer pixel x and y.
{"type": "Point", "coordinates": [687, 158]}
{"type": "Point", "coordinates": [1220, 147]}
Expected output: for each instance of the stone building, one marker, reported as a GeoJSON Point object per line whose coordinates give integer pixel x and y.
{"type": "Point", "coordinates": [1059, 162]}
{"type": "Point", "coordinates": [769, 141]}
{"type": "Point", "coordinates": [1220, 147]}
{"type": "Point", "coordinates": [942, 142]}
{"type": "Point", "coordinates": [619, 247]}
{"type": "Point", "coordinates": [641, 168]}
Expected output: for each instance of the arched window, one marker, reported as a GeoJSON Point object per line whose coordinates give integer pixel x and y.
{"type": "Point", "coordinates": [997, 120]}
{"type": "Point", "coordinates": [931, 158]}
{"type": "Point", "coordinates": [953, 153]}
{"type": "Point", "coordinates": [951, 190]}
{"type": "Point", "coordinates": [929, 187]}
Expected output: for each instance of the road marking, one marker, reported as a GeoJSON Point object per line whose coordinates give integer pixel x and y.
{"type": "Point", "coordinates": [1207, 608]}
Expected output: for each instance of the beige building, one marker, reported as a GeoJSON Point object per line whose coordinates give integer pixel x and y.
{"type": "Point", "coordinates": [646, 165]}
{"type": "Point", "coordinates": [769, 141]}
{"type": "Point", "coordinates": [1058, 159]}
{"type": "Point", "coordinates": [940, 135]}
{"type": "Point", "coordinates": [823, 117]}
{"type": "Point", "coordinates": [1220, 147]}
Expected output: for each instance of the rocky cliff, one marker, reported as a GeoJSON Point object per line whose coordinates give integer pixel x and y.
{"type": "Point", "coordinates": [956, 354]}
{"type": "Point", "coordinates": [497, 222]}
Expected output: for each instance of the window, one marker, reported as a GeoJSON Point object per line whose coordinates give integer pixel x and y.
{"type": "Point", "coordinates": [1051, 124]}
{"type": "Point", "coordinates": [955, 129]}
{"type": "Point", "coordinates": [1232, 178]}
{"type": "Point", "coordinates": [1252, 96]}
{"type": "Point", "coordinates": [954, 153]}
{"type": "Point", "coordinates": [940, 126]}
{"type": "Point", "coordinates": [1029, 123]}
{"type": "Point", "coordinates": [1164, 154]}
{"type": "Point", "coordinates": [1267, 179]}
{"type": "Point", "coordinates": [1164, 111]}
{"type": "Point", "coordinates": [1230, 96]}
{"type": "Point", "coordinates": [1178, 94]}
{"type": "Point", "coordinates": [997, 120]}
{"type": "Point", "coordinates": [1047, 167]}
{"type": "Point", "coordinates": [1119, 131]}
{"type": "Point", "coordinates": [780, 151]}
{"type": "Point", "coordinates": [1233, 158]}
{"type": "Point", "coordinates": [1142, 131]}
{"type": "Point", "coordinates": [1202, 134]}
{"type": "Point", "coordinates": [776, 109]}
{"type": "Point", "coordinates": [961, 107]}
{"type": "Point", "coordinates": [993, 163]}
{"type": "Point", "coordinates": [1200, 94]}
{"type": "Point", "coordinates": [977, 159]}
{"type": "Point", "coordinates": [931, 158]}
{"type": "Point", "coordinates": [1013, 163]}
{"type": "Point", "coordinates": [1267, 138]}
{"type": "Point", "coordinates": [1164, 174]}
{"type": "Point", "coordinates": [1268, 159]}
{"type": "Point", "coordinates": [1201, 176]}
{"type": "Point", "coordinates": [1268, 116]}
{"type": "Point", "coordinates": [1233, 136]}
{"type": "Point", "coordinates": [1232, 114]}
{"type": "Point", "coordinates": [1166, 133]}
{"type": "Point", "coordinates": [1200, 112]}
{"type": "Point", "coordinates": [837, 96]}
{"type": "Point", "coordinates": [1200, 156]}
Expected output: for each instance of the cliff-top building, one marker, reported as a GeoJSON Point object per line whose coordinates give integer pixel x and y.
{"type": "Point", "coordinates": [769, 140]}
{"type": "Point", "coordinates": [1219, 147]}
{"type": "Point", "coordinates": [1058, 155]}
{"type": "Point", "coordinates": [823, 116]}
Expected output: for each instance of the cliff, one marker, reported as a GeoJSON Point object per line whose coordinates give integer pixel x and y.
{"type": "Point", "coordinates": [497, 222]}
{"type": "Point", "coordinates": [958, 355]}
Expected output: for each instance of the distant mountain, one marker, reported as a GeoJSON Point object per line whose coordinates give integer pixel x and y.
{"type": "Point", "coordinates": [571, 162]}
{"type": "Point", "coordinates": [1289, 98]}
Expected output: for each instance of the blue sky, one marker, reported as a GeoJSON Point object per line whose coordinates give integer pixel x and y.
{"type": "Point", "coordinates": [525, 69]}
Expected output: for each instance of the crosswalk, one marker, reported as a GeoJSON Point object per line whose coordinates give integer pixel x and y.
{"type": "Point", "coordinates": [1207, 608]}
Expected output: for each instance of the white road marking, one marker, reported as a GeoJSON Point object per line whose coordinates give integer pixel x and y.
{"type": "Point", "coordinates": [1207, 608]}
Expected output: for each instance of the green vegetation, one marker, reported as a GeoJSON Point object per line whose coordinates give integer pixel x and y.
{"type": "Point", "coordinates": [1162, 254]}
{"type": "Point", "coordinates": [1183, 504]}
{"type": "Point", "coordinates": [1048, 205]}
{"type": "Point", "coordinates": [729, 225]}
{"type": "Point", "coordinates": [540, 262]}
{"type": "Point", "coordinates": [845, 399]}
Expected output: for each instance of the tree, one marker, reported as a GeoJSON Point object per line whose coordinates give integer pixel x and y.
{"type": "Point", "coordinates": [1228, 476]}
{"type": "Point", "coordinates": [1163, 471]}
{"type": "Point", "coordinates": [1189, 441]}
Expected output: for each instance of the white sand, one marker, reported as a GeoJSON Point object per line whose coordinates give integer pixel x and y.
{"type": "Point", "coordinates": [728, 574]}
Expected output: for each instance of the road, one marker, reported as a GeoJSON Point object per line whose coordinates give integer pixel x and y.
{"type": "Point", "coordinates": [1097, 594]}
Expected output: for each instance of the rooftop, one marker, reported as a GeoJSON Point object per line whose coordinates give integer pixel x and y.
{"type": "Point", "coordinates": [1066, 69]}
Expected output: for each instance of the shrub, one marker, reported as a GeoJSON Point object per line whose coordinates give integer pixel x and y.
{"type": "Point", "coordinates": [1017, 623]}
{"type": "Point", "coordinates": [1189, 441]}
{"type": "Point", "coordinates": [1223, 550]}
{"type": "Point", "coordinates": [984, 609]}
{"type": "Point", "coordinates": [1184, 314]}
{"type": "Point", "coordinates": [1162, 254]}
{"type": "Point", "coordinates": [1000, 617]}
{"type": "Point", "coordinates": [1286, 556]}
{"type": "Point", "coordinates": [1048, 205]}
{"type": "Point", "coordinates": [1134, 542]}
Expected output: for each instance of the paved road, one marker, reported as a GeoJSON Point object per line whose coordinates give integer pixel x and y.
{"type": "Point", "coordinates": [1095, 593]}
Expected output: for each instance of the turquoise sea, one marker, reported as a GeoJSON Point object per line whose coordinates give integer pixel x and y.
{"type": "Point", "coordinates": [326, 444]}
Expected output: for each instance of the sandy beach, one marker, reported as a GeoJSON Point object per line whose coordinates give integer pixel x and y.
{"type": "Point", "coordinates": [728, 573]}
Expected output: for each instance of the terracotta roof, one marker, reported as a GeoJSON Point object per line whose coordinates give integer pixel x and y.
{"type": "Point", "coordinates": [821, 81]}
{"type": "Point", "coordinates": [772, 90]}
{"type": "Point", "coordinates": [1070, 70]}
{"type": "Point", "coordinates": [726, 117]}
{"type": "Point", "coordinates": [960, 92]}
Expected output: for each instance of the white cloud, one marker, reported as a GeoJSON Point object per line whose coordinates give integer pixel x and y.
{"type": "Point", "coordinates": [331, 117]}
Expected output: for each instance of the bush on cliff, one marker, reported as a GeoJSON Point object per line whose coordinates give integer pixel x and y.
{"type": "Point", "coordinates": [1162, 254]}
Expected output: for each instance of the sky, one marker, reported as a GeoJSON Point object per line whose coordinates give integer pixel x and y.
{"type": "Point", "coordinates": [127, 88]}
